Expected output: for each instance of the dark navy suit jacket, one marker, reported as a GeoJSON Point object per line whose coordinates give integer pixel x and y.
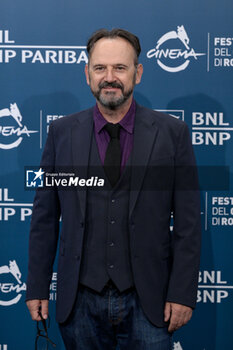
{"type": "Point", "coordinates": [165, 265]}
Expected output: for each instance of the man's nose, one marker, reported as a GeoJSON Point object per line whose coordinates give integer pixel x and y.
{"type": "Point", "coordinates": [109, 75]}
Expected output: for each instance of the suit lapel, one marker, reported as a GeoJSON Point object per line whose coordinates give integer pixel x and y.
{"type": "Point", "coordinates": [145, 132]}
{"type": "Point", "coordinates": [81, 141]}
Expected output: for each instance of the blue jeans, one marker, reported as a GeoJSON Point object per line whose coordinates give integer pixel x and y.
{"type": "Point", "coordinates": [111, 320]}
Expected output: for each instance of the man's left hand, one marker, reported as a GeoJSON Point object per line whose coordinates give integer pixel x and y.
{"type": "Point", "coordinates": [178, 315]}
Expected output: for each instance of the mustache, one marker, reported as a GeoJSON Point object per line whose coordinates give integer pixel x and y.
{"type": "Point", "coordinates": [105, 84]}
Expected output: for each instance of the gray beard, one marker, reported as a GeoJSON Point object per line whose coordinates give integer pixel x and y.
{"type": "Point", "coordinates": [111, 101]}
{"type": "Point", "coordinates": [114, 102]}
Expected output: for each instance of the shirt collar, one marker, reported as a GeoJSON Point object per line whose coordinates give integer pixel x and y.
{"type": "Point", "coordinates": [127, 122]}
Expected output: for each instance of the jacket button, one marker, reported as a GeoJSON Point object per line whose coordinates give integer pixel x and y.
{"type": "Point", "coordinates": [111, 266]}
{"type": "Point", "coordinates": [112, 222]}
{"type": "Point", "coordinates": [111, 244]}
{"type": "Point", "coordinates": [77, 257]}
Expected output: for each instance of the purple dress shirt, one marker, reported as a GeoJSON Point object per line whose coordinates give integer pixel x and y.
{"type": "Point", "coordinates": [126, 133]}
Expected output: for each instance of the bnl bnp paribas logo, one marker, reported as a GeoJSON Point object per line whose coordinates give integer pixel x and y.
{"type": "Point", "coordinates": [172, 58]}
{"type": "Point", "coordinates": [11, 286]}
{"type": "Point", "coordinates": [11, 52]}
{"type": "Point", "coordinates": [12, 129]}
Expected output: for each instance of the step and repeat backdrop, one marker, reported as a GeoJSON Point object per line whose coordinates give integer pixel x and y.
{"type": "Point", "coordinates": [187, 53]}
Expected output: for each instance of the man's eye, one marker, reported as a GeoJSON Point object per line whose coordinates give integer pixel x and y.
{"type": "Point", "coordinates": [99, 69]}
{"type": "Point", "coordinates": [120, 68]}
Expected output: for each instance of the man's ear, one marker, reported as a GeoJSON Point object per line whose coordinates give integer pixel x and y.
{"type": "Point", "coordinates": [139, 73]}
{"type": "Point", "coordinates": [87, 74]}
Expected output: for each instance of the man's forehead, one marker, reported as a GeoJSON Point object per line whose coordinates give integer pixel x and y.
{"type": "Point", "coordinates": [117, 47]}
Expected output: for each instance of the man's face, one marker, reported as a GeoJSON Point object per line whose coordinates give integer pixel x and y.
{"type": "Point", "coordinates": [111, 72]}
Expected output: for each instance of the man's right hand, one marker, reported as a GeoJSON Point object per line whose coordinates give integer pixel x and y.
{"type": "Point", "coordinates": [33, 307]}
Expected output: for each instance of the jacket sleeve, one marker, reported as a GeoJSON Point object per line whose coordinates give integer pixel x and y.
{"type": "Point", "coordinates": [44, 231]}
{"type": "Point", "coordinates": [186, 236]}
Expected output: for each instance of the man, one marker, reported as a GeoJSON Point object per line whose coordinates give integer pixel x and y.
{"type": "Point", "coordinates": [123, 279]}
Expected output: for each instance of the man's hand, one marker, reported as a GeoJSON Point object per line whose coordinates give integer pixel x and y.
{"type": "Point", "coordinates": [178, 315]}
{"type": "Point", "coordinates": [33, 307]}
